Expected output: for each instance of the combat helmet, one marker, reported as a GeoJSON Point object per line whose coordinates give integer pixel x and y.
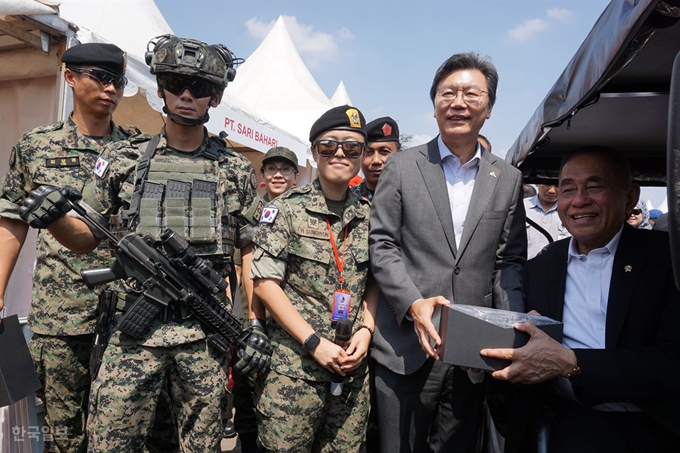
{"type": "Point", "coordinates": [168, 54]}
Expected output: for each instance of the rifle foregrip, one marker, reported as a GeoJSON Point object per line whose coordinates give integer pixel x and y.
{"type": "Point", "coordinates": [136, 321]}
{"type": "Point", "coordinates": [216, 319]}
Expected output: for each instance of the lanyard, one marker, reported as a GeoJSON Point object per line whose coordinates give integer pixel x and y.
{"type": "Point", "coordinates": [339, 262]}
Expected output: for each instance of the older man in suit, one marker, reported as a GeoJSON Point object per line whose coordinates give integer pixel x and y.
{"type": "Point", "coordinates": [613, 382]}
{"type": "Point", "coordinates": [447, 223]}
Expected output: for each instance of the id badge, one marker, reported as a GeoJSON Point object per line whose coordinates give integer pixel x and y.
{"type": "Point", "coordinates": [341, 304]}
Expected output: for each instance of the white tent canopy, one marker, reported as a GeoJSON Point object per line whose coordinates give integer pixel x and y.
{"type": "Point", "coordinates": [341, 97]}
{"type": "Point", "coordinates": [275, 82]}
{"type": "Point", "coordinates": [128, 24]}
{"type": "Point", "coordinates": [103, 19]}
{"type": "Point", "coordinates": [27, 7]}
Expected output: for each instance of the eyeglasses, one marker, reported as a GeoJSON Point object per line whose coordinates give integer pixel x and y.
{"type": "Point", "coordinates": [636, 212]}
{"type": "Point", "coordinates": [328, 148]}
{"type": "Point", "coordinates": [103, 77]}
{"type": "Point", "coordinates": [285, 170]}
{"type": "Point", "coordinates": [471, 96]}
{"type": "Point", "coordinates": [198, 88]}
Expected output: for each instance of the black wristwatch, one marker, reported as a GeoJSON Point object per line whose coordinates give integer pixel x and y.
{"type": "Point", "coordinates": [311, 342]}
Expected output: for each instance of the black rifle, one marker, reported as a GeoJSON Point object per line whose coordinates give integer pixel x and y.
{"type": "Point", "coordinates": [168, 272]}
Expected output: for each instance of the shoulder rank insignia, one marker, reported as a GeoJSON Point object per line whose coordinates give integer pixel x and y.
{"type": "Point", "coordinates": [268, 214]}
{"type": "Point", "coordinates": [100, 166]}
{"type": "Point", "coordinates": [258, 210]}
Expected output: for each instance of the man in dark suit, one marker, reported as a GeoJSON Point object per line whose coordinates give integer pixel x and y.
{"type": "Point", "coordinates": [613, 383]}
{"type": "Point", "coordinates": [447, 222]}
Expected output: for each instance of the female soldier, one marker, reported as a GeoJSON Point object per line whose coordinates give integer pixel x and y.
{"type": "Point", "coordinates": [311, 269]}
{"type": "Point", "coordinates": [280, 173]}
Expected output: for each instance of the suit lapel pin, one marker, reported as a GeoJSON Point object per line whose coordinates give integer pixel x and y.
{"type": "Point", "coordinates": [628, 268]}
{"type": "Point", "coordinates": [494, 174]}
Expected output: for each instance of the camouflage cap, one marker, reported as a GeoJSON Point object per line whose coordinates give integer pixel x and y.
{"type": "Point", "coordinates": [281, 152]}
{"type": "Point", "coordinates": [383, 129]}
{"type": "Point", "coordinates": [344, 117]}
{"type": "Point", "coordinates": [108, 57]}
{"type": "Point", "coordinates": [192, 58]}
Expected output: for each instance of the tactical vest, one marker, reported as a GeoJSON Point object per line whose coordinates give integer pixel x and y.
{"type": "Point", "coordinates": [183, 193]}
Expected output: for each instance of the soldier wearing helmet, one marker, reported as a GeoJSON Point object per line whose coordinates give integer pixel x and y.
{"type": "Point", "coordinates": [180, 64]}
{"type": "Point", "coordinates": [188, 181]}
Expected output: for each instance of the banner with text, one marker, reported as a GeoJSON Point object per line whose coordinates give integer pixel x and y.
{"type": "Point", "coordinates": [254, 133]}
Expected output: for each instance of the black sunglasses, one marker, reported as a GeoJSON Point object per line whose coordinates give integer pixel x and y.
{"type": "Point", "coordinates": [198, 88]}
{"type": "Point", "coordinates": [637, 211]}
{"type": "Point", "coordinates": [103, 77]}
{"type": "Point", "coordinates": [328, 148]}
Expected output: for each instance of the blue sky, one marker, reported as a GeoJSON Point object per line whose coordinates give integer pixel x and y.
{"type": "Point", "coordinates": [386, 51]}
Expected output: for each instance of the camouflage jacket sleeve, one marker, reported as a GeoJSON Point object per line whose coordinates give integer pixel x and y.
{"type": "Point", "coordinates": [271, 241]}
{"type": "Point", "coordinates": [15, 185]}
{"type": "Point", "coordinates": [239, 192]}
{"type": "Point", "coordinates": [251, 216]}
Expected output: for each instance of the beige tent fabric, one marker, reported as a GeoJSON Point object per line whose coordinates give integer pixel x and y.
{"type": "Point", "coordinates": [26, 103]}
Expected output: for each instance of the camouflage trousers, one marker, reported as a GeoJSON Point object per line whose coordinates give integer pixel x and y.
{"type": "Point", "coordinates": [125, 394]}
{"type": "Point", "coordinates": [297, 415]}
{"type": "Point", "coordinates": [62, 363]}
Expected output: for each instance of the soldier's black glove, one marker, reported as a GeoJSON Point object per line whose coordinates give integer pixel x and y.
{"type": "Point", "coordinates": [47, 204]}
{"type": "Point", "coordinates": [257, 354]}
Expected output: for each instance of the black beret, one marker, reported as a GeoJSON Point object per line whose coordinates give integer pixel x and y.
{"type": "Point", "coordinates": [344, 117]}
{"type": "Point", "coordinates": [281, 152]}
{"type": "Point", "coordinates": [105, 56]}
{"type": "Point", "coordinates": [383, 129]}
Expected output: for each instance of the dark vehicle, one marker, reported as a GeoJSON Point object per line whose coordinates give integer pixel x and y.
{"type": "Point", "coordinates": [622, 90]}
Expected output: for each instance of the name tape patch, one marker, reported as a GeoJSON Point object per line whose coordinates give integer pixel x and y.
{"type": "Point", "coordinates": [60, 162]}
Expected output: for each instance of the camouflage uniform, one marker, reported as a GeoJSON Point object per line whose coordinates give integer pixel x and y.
{"type": "Point", "coordinates": [243, 390]}
{"type": "Point", "coordinates": [295, 408]}
{"type": "Point", "coordinates": [63, 309]}
{"type": "Point", "coordinates": [252, 214]}
{"type": "Point", "coordinates": [363, 191]}
{"type": "Point", "coordinates": [245, 420]}
{"type": "Point", "coordinates": [133, 372]}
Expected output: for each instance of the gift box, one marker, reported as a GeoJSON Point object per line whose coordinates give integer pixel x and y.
{"type": "Point", "coordinates": [466, 329]}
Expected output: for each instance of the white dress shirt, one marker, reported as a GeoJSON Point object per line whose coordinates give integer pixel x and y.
{"type": "Point", "coordinates": [586, 295]}
{"type": "Point", "coordinates": [548, 220]}
{"type": "Point", "coordinates": [460, 180]}
{"type": "Point", "coordinates": [586, 298]}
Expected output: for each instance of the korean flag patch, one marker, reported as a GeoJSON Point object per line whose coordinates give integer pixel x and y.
{"type": "Point", "coordinates": [100, 166]}
{"type": "Point", "coordinates": [268, 214]}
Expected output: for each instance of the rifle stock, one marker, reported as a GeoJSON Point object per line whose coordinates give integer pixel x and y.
{"type": "Point", "coordinates": [101, 276]}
